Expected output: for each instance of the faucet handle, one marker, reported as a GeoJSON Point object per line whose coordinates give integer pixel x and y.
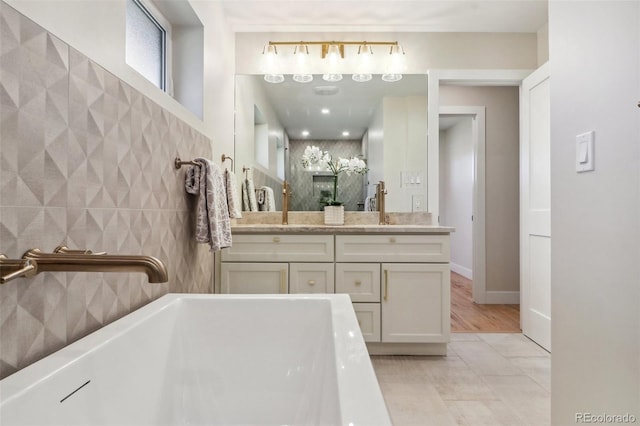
{"type": "Point", "coordinates": [67, 250]}
{"type": "Point", "coordinates": [29, 269]}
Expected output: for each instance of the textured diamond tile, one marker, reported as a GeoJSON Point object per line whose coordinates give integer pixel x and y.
{"type": "Point", "coordinates": [55, 224]}
{"type": "Point", "coordinates": [20, 229]}
{"type": "Point", "coordinates": [85, 160]}
{"type": "Point", "coordinates": [76, 228]}
{"type": "Point", "coordinates": [55, 311]}
{"type": "Point", "coordinates": [76, 305]}
{"type": "Point", "coordinates": [9, 29]}
{"type": "Point", "coordinates": [8, 328]}
{"type": "Point", "coordinates": [76, 168]}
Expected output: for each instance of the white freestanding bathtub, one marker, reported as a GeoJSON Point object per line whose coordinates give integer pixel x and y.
{"type": "Point", "coordinates": [207, 360]}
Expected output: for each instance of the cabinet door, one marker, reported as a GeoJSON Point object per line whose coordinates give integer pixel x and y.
{"type": "Point", "coordinates": [311, 278]}
{"type": "Point", "coordinates": [368, 315]}
{"type": "Point", "coordinates": [360, 280]}
{"type": "Point", "coordinates": [415, 303]}
{"type": "Point", "coordinates": [254, 278]}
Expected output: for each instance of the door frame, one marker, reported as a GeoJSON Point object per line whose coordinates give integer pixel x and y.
{"type": "Point", "coordinates": [478, 223]}
{"type": "Point", "coordinates": [463, 78]}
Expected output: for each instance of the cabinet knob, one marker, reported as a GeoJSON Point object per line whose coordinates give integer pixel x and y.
{"type": "Point", "coordinates": [358, 282]}
{"type": "Point", "coordinates": [312, 282]}
{"type": "Point", "coordinates": [276, 239]}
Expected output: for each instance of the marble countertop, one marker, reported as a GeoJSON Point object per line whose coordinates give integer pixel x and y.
{"type": "Point", "coordinates": [339, 229]}
{"type": "Point", "coordinates": [355, 223]}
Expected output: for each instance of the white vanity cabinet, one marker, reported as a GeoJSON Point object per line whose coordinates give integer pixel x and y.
{"type": "Point", "coordinates": [278, 263]}
{"type": "Point", "coordinates": [399, 283]}
{"type": "Point", "coordinates": [414, 298]}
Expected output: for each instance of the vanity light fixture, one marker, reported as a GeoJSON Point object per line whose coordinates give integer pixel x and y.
{"type": "Point", "coordinates": [333, 54]}
{"type": "Point", "coordinates": [270, 64]}
{"type": "Point", "coordinates": [395, 65]}
{"type": "Point", "coordinates": [363, 72]}
{"type": "Point", "coordinates": [301, 53]}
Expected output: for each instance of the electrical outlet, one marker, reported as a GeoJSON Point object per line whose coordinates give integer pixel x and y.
{"type": "Point", "coordinates": [417, 203]}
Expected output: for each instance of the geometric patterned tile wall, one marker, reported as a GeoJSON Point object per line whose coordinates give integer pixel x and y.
{"type": "Point", "coordinates": [305, 191]}
{"type": "Point", "coordinates": [85, 160]}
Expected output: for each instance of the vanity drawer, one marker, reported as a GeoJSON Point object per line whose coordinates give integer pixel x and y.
{"type": "Point", "coordinates": [360, 280]}
{"type": "Point", "coordinates": [311, 278]}
{"type": "Point", "coordinates": [368, 316]}
{"type": "Point", "coordinates": [254, 278]}
{"type": "Point", "coordinates": [279, 248]}
{"type": "Point", "coordinates": [392, 248]}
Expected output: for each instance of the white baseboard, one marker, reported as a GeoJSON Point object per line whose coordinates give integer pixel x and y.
{"type": "Point", "coordinates": [502, 297]}
{"type": "Point", "coordinates": [462, 270]}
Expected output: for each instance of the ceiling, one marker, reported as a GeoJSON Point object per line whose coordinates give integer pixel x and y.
{"type": "Point", "coordinates": [383, 16]}
{"type": "Point", "coordinates": [351, 107]}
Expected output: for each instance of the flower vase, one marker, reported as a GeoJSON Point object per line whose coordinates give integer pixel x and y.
{"type": "Point", "coordinates": [334, 215]}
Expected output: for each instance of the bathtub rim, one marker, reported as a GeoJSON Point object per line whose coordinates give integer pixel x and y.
{"type": "Point", "coordinates": [355, 374]}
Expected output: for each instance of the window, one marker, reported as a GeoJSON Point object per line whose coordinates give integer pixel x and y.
{"type": "Point", "coordinates": [146, 45]}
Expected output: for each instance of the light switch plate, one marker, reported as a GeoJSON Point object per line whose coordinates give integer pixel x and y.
{"type": "Point", "coordinates": [585, 152]}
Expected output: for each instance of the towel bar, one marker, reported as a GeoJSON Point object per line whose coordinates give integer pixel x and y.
{"type": "Point", "coordinates": [179, 163]}
{"type": "Point", "coordinates": [226, 157]}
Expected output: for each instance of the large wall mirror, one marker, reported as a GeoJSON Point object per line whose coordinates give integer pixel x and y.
{"type": "Point", "coordinates": [274, 123]}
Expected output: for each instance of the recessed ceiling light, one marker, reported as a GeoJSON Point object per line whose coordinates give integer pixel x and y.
{"type": "Point", "coordinates": [305, 133]}
{"type": "Point", "coordinates": [345, 133]}
{"type": "Point", "coordinates": [325, 110]}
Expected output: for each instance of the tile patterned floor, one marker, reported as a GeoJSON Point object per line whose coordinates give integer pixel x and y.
{"type": "Point", "coordinates": [486, 379]}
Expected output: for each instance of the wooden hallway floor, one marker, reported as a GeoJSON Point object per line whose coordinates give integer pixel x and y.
{"type": "Point", "coordinates": [468, 317]}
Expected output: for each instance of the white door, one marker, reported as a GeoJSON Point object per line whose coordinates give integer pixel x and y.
{"type": "Point", "coordinates": [535, 208]}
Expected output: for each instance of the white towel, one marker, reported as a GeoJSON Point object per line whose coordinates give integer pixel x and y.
{"type": "Point", "coordinates": [233, 201]}
{"type": "Point", "coordinates": [212, 213]}
{"type": "Point", "coordinates": [249, 202]}
{"type": "Point", "coordinates": [266, 199]}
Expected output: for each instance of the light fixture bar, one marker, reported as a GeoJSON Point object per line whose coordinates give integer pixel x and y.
{"type": "Point", "coordinates": [325, 44]}
{"type": "Point", "coordinates": [372, 43]}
